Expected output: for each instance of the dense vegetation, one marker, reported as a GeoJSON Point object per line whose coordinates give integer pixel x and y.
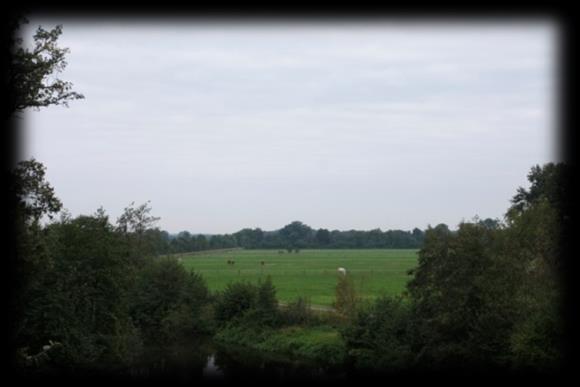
{"type": "Point", "coordinates": [292, 237]}
{"type": "Point", "coordinates": [485, 295]}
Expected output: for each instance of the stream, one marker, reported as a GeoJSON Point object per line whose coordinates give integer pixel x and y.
{"type": "Point", "coordinates": [202, 359]}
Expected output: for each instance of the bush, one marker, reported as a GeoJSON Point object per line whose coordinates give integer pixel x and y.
{"type": "Point", "coordinates": [169, 300]}
{"type": "Point", "coordinates": [247, 304]}
{"type": "Point", "coordinates": [297, 312]}
{"type": "Point", "coordinates": [379, 335]}
{"type": "Point", "coordinates": [234, 301]}
{"type": "Point", "coordinates": [346, 299]}
{"type": "Point", "coordinates": [320, 344]}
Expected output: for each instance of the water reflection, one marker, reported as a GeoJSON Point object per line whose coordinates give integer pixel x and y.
{"type": "Point", "coordinates": [211, 370]}
{"type": "Point", "coordinates": [201, 359]}
{"type": "Point", "coordinates": [237, 363]}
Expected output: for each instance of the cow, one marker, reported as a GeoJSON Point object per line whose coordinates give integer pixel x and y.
{"type": "Point", "coordinates": [341, 270]}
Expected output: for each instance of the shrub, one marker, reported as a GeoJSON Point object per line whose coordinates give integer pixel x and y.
{"type": "Point", "coordinates": [168, 300]}
{"type": "Point", "coordinates": [346, 299]}
{"type": "Point", "coordinates": [235, 300]}
{"type": "Point", "coordinates": [379, 335]}
{"type": "Point", "coordinates": [297, 312]}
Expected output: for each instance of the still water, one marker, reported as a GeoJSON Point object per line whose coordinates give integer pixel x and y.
{"type": "Point", "coordinates": [205, 360]}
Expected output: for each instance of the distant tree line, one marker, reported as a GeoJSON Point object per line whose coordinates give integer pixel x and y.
{"type": "Point", "coordinates": [298, 235]}
{"type": "Point", "coordinates": [292, 237]}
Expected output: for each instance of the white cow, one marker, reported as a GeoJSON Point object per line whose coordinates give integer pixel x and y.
{"type": "Point", "coordinates": [342, 270]}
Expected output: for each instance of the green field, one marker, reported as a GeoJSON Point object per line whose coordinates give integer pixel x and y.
{"type": "Point", "coordinates": [310, 273]}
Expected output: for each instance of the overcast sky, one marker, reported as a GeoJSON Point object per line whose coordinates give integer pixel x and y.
{"type": "Point", "coordinates": [345, 125]}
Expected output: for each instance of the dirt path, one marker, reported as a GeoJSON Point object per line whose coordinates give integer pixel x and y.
{"type": "Point", "coordinates": [319, 308]}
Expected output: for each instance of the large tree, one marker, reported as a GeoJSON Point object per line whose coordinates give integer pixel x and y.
{"type": "Point", "coordinates": [32, 198]}
{"type": "Point", "coordinates": [296, 234]}
{"type": "Point", "coordinates": [31, 82]}
{"type": "Point", "coordinates": [491, 293]}
{"type": "Point", "coordinates": [31, 77]}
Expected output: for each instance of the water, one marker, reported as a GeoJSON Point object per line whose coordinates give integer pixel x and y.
{"type": "Point", "coordinates": [201, 359]}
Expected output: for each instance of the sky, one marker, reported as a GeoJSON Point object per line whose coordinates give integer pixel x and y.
{"type": "Point", "coordinates": [342, 125]}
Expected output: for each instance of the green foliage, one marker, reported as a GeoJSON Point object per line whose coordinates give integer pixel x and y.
{"type": "Point", "coordinates": [461, 315]}
{"type": "Point", "coordinates": [248, 238]}
{"type": "Point", "coordinates": [323, 237]}
{"type": "Point", "coordinates": [538, 338]}
{"type": "Point", "coordinates": [490, 294]}
{"type": "Point", "coordinates": [538, 235]}
{"type": "Point", "coordinates": [80, 298]}
{"type": "Point", "coordinates": [296, 234]}
{"type": "Point", "coordinates": [31, 262]}
{"type": "Point", "coordinates": [346, 298]}
{"type": "Point", "coordinates": [487, 294]}
{"type": "Point", "coordinates": [379, 335]}
{"type": "Point", "coordinates": [133, 225]}
{"type": "Point", "coordinates": [321, 345]}
{"type": "Point", "coordinates": [297, 312]}
{"type": "Point", "coordinates": [167, 301]}
{"type": "Point", "coordinates": [246, 304]}
{"type": "Point", "coordinates": [292, 237]}
{"type": "Point", "coordinates": [551, 183]}
{"type": "Point", "coordinates": [33, 194]}
{"type": "Point", "coordinates": [31, 74]}
{"type": "Point", "coordinates": [235, 300]}
{"type": "Point", "coordinates": [266, 302]}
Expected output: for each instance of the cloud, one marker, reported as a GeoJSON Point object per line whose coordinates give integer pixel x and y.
{"type": "Point", "coordinates": [300, 119]}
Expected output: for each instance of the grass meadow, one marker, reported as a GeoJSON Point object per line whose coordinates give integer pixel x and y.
{"type": "Point", "coordinates": [309, 273]}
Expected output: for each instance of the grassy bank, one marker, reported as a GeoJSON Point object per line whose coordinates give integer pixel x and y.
{"type": "Point", "coordinates": [320, 344]}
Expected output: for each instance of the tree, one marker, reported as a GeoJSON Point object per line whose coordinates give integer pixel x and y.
{"type": "Point", "coordinates": [236, 299]}
{"type": "Point", "coordinates": [167, 298]}
{"type": "Point", "coordinates": [31, 82]}
{"type": "Point", "coordinates": [158, 240]}
{"type": "Point", "coordinates": [31, 75]}
{"type": "Point", "coordinates": [551, 182]}
{"type": "Point", "coordinates": [266, 302]}
{"type": "Point", "coordinates": [136, 220]}
{"type": "Point", "coordinates": [79, 299]}
{"type": "Point", "coordinates": [323, 237]}
{"type": "Point", "coordinates": [34, 197]}
{"type": "Point", "coordinates": [539, 234]}
{"type": "Point", "coordinates": [346, 298]}
{"type": "Point", "coordinates": [295, 234]}
{"type": "Point", "coordinates": [379, 336]}
{"type": "Point", "coordinates": [419, 236]}
{"type": "Point", "coordinates": [200, 243]}
{"type": "Point", "coordinates": [458, 317]}
{"type": "Point", "coordinates": [133, 224]}
{"type": "Point", "coordinates": [491, 293]}
{"type": "Point", "coordinates": [249, 238]}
